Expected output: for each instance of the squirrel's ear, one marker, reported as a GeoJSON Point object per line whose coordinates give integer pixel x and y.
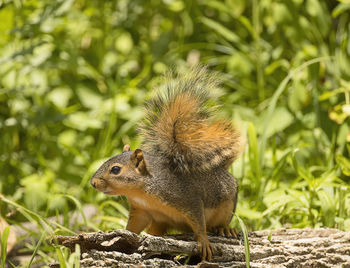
{"type": "Point", "coordinates": [139, 161]}
{"type": "Point", "coordinates": [126, 148]}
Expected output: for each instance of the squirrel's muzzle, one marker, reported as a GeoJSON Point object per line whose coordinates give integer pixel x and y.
{"type": "Point", "coordinates": [93, 182]}
{"type": "Point", "coordinates": [99, 184]}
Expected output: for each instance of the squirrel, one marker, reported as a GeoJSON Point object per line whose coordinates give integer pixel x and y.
{"type": "Point", "coordinates": [178, 179]}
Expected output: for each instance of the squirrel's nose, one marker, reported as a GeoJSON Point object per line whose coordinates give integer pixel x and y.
{"type": "Point", "coordinates": [93, 182]}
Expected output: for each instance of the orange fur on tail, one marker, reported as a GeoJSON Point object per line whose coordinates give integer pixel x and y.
{"type": "Point", "coordinates": [180, 127]}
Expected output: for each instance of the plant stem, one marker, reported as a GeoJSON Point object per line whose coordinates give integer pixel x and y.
{"type": "Point", "coordinates": [259, 69]}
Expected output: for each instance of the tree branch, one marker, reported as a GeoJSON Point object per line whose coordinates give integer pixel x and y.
{"type": "Point", "coordinates": [285, 248]}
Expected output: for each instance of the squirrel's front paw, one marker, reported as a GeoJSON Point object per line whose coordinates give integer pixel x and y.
{"type": "Point", "coordinates": [205, 249]}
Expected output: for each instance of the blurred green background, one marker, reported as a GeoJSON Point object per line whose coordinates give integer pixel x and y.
{"type": "Point", "coordinates": [74, 75]}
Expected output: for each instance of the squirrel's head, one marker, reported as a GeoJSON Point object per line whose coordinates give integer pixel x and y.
{"type": "Point", "coordinates": [121, 173]}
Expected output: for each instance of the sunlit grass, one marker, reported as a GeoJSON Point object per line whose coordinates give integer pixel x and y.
{"type": "Point", "coordinates": [3, 243]}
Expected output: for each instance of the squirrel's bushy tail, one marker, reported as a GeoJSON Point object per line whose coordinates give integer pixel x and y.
{"type": "Point", "coordinates": [179, 126]}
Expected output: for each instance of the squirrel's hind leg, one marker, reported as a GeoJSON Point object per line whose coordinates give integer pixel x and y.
{"type": "Point", "coordinates": [224, 231]}
{"type": "Point", "coordinates": [157, 228]}
{"type": "Point", "coordinates": [219, 218]}
{"type": "Point", "coordinates": [198, 226]}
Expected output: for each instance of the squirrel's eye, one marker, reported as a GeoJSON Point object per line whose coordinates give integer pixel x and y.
{"type": "Point", "coordinates": [115, 170]}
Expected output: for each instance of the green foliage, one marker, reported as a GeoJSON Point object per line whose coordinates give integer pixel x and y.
{"type": "Point", "coordinates": [74, 75]}
{"type": "Point", "coordinates": [66, 259]}
{"type": "Point", "coordinates": [246, 241]}
{"type": "Point", "coordinates": [3, 243]}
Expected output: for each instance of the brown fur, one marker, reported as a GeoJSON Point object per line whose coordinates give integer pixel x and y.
{"type": "Point", "coordinates": [180, 181]}
{"type": "Point", "coordinates": [180, 127]}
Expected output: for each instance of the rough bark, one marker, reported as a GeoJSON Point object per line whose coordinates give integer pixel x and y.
{"type": "Point", "coordinates": [279, 248]}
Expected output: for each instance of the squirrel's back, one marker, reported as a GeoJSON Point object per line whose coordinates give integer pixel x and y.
{"type": "Point", "coordinates": [180, 128]}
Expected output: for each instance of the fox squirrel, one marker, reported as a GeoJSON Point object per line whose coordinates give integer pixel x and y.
{"type": "Point", "coordinates": [179, 179]}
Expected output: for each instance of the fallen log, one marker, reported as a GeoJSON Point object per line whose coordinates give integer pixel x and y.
{"type": "Point", "coordinates": [279, 248]}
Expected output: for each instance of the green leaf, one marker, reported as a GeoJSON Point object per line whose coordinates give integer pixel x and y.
{"type": "Point", "coordinates": [246, 242]}
{"type": "Point", "coordinates": [3, 239]}
{"type": "Point", "coordinates": [82, 121]}
{"type": "Point", "coordinates": [347, 225]}
{"type": "Point", "coordinates": [313, 7]}
{"type": "Point", "coordinates": [281, 12]}
{"type": "Point", "coordinates": [240, 63]}
{"type": "Point", "coordinates": [77, 256]}
{"type": "Point", "coordinates": [60, 96]}
{"type": "Point", "coordinates": [124, 43]}
{"type": "Point", "coordinates": [344, 164]}
{"type": "Point", "coordinates": [60, 258]}
{"type": "Point", "coordinates": [248, 213]}
{"type": "Point", "coordinates": [327, 207]}
{"type": "Point", "coordinates": [79, 207]}
{"type": "Point", "coordinates": [64, 7]}
{"type": "Point", "coordinates": [67, 138]}
{"type": "Point", "coordinates": [220, 29]}
{"type": "Point", "coordinates": [340, 9]}
{"type": "Point", "coordinates": [36, 249]}
{"type": "Point", "coordinates": [89, 98]}
{"type": "Point", "coordinates": [298, 97]}
{"type": "Point", "coordinates": [279, 120]}
{"type": "Point", "coordinates": [120, 208]}
{"type": "Point", "coordinates": [36, 188]}
{"type": "Point", "coordinates": [254, 152]}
